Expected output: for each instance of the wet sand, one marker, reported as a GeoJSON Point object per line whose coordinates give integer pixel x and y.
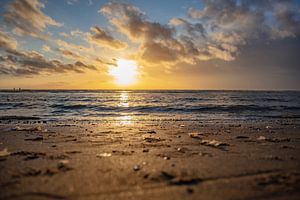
{"type": "Point", "coordinates": [150, 160]}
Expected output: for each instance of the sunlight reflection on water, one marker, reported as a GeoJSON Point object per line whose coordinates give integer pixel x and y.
{"type": "Point", "coordinates": [124, 102]}
{"type": "Point", "coordinates": [124, 99]}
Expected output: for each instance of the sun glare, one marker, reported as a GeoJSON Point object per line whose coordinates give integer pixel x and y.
{"type": "Point", "coordinates": [125, 73]}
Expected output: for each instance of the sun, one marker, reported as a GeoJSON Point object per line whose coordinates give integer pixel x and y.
{"type": "Point", "coordinates": [125, 73]}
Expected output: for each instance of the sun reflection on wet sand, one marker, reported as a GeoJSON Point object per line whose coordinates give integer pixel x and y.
{"type": "Point", "coordinates": [125, 120]}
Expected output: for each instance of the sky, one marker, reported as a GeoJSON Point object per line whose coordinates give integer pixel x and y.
{"type": "Point", "coordinates": [139, 44]}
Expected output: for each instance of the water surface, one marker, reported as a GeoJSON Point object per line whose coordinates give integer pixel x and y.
{"type": "Point", "coordinates": [151, 105]}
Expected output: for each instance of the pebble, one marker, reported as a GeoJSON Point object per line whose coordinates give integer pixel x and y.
{"type": "Point", "coordinates": [136, 167]}
{"type": "Point", "coordinates": [166, 158]}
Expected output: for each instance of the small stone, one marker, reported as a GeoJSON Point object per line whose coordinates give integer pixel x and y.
{"type": "Point", "coordinates": [213, 143]}
{"type": "Point", "coordinates": [4, 152]}
{"type": "Point", "coordinates": [136, 167]}
{"type": "Point", "coordinates": [103, 155]}
{"type": "Point", "coordinates": [261, 138]}
{"type": "Point", "coordinates": [196, 135]}
{"type": "Point", "coordinates": [166, 158]}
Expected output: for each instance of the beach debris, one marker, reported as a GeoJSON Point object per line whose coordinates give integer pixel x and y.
{"type": "Point", "coordinates": [185, 181]}
{"type": "Point", "coordinates": [31, 172]}
{"type": "Point", "coordinates": [166, 176]}
{"type": "Point", "coordinates": [64, 161]}
{"type": "Point", "coordinates": [213, 143]}
{"type": "Point", "coordinates": [145, 150]}
{"type": "Point", "coordinates": [205, 154]}
{"type": "Point", "coordinates": [26, 153]}
{"type": "Point", "coordinates": [152, 139]}
{"type": "Point", "coordinates": [59, 156]}
{"type": "Point", "coordinates": [242, 137]}
{"type": "Point", "coordinates": [196, 135]}
{"type": "Point", "coordinates": [261, 138]}
{"type": "Point", "coordinates": [100, 155]}
{"type": "Point", "coordinates": [37, 128]}
{"type": "Point", "coordinates": [275, 140]}
{"type": "Point", "coordinates": [72, 152]}
{"type": "Point", "coordinates": [166, 158]}
{"type": "Point", "coordinates": [136, 168]}
{"type": "Point", "coordinates": [182, 125]}
{"type": "Point", "coordinates": [31, 157]}
{"type": "Point", "coordinates": [63, 166]}
{"type": "Point", "coordinates": [124, 153]}
{"type": "Point", "coordinates": [38, 138]}
{"type": "Point", "coordinates": [4, 152]}
{"type": "Point", "coordinates": [151, 132]}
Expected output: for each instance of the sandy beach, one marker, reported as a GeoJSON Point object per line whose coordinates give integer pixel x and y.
{"type": "Point", "coordinates": [149, 160]}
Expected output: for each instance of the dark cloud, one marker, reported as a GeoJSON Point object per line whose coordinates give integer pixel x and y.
{"type": "Point", "coordinates": [103, 38]}
{"type": "Point", "coordinates": [17, 63]}
{"type": "Point", "coordinates": [234, 23]}
{"type": "Point", "coordinates": [27, 19]}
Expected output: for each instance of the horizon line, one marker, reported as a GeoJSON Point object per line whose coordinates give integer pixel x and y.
{"type": "Point", "coordinates": [120, 89]}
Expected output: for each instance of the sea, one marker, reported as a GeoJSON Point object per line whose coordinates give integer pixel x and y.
{"type": "Point", "coordinates": [155, 105]}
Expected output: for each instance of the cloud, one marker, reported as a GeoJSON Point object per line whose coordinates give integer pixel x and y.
{"type": "Point", "coordinates": [71, 2]}
{"type": "Point", "coordinates": [16, 63]}
{"type": "Point", "coordinates": [162, 43]}
{"type": "Point", "coordinates": [69, 45]}
{"type": "Point", "coordinates": [28, 19]}
{"type": "Point", "coordinates": [267, 20]}
{"type": "Point", "coordinates": [63, 34]}
{"type": "Point", "coordinates": [46, 48]}
{"type": "Point", "coordinates": [194, 30]}
{"type": "Point", "coordinates": [69, 54]}
{"type": "Point", "coordinates": [103, 38]}
{"type": "Point", "coordinates": [218, 31]}
{"type": "Point", "coordinates": [157, 41]}
{"type": "Point", "coordinates": [7, 42]}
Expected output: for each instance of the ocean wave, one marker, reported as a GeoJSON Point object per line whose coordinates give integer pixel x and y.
{"type": "Point", "coordinates": [152, 104]}
{"type": "Point", "coordinates": [169, 108]}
